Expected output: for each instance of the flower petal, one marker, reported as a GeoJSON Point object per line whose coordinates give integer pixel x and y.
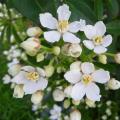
{"type": "Point", "coordinates": [52, 36]}
{"type": "Point", "coordinates": [89, 31]}
{"type": "Point", "coordinates": [32, 87]}
{"type": "Point", "coordinates": [89, 44]}
{"type": "Point", "coordinates": [100, 49]}
{"type": "Point", "coordinates": [74, 27]}
{"type": "Point", "coordinates": [107, 40]}
{"type": "Point", "coordinates": [76, 66]}
{"type": "Point", "coordinates": [87, 67]}
{"type": "Point", "coordinates": [48, 21]}
{"type": "Point", "coordinates": [63, 12]}
{"type": "Point", "coordinates": [101, 76]}
{"type": "Point", "coordinates": [100, 28]}
{"type": "Point", "coordinates": [73, 76]}
{"type": "Point", "coordinates": [93, 92]}
{"type": "Point", "coordinates": [28, 69]}
{"type": "Point", "coordinates": [78, 91]}
{"type": "Point", "coordinates": [71, 38]}
{"type": "Point", "coordinates": [82, 24]}
{"type": "Point", "coordinates": [19, 78]}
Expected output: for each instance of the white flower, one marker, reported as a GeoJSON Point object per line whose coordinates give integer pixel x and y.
{"type": "Point", "coordinates": [97, 40]}
{"type": "Point", "coordinates": [32, 78]}
{"type": "Point", "coordinates": [58, 95]}
{"type": "Point", "coordinates": [55, 113]}
{"type": "Point", "coordinates": [6, 79]}
{"type": "Point", "coordinates": [75, 115]}
{"type": "Point", "coordinates": [31, 46]}
{"type": "Point", "coordinates": [84, 80]}
{"type": "Point", "coordinates": [61, 27]}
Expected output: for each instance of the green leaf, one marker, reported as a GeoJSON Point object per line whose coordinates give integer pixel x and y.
{"type": "Point", "coordinates": [98, 6]}
{"type": "Point", "coordinates": [81, 10]}
{"type": "Point", "coordinates": [32, 8]}
{"type": "Point", "coordinates": [114, 27]}
{"type": "Point", "coordinates": [113, 8]}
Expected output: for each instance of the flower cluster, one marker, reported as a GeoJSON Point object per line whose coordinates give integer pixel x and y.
{"type": "Point", "coordinates": [57, 47]}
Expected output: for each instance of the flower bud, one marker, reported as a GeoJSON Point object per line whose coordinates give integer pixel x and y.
{"type": "Point", "coordinates": [113, 84]}
{"type": "Point", "coordinates": [6, 79]}
{"type": "Point", "coordinates": [75, 66]}
{"type": "Point", "coordinates": [14, 70]}
{"type": "Point", "coordinates": [49, 70]}
{"type": "Point", "coordinates": [34, 32]}
{"type": "Point", "coordinates": [75, 115]}
{"type": "Point", "coordinates": [24, 56]}
{"type": "Point", "coordinates": [31, 46]}
{"type": "Point", "coordinates": [76, 102]}
{"type": "Point", "coordinates": [117, 58]}
{"type": "Point", "coordinates": [73, 50]}
{"type": "Point", "coordinates": [66, 103]}
{"type": "Point", "coordinates": [18, 91]}
{"type": "Point", "coordinates": [37, 97]}
{"type": "Point", "coordinates": [90, 103]}
{"type": "Point", "coordinates": [68, 91]}
{"type": "Point", "coordinates": [40, 57]}
{"type": "Point", "coordinates": [103, 59]}
{"type": "Point", "coordinates": [56, 50]}
{"type": "Point", "coordinates": [58, 95]}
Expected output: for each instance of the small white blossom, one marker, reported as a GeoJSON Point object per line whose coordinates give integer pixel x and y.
{"type": "Point", "coordinates": [84, 80]}
{"type": "Point", "coordinates": [55, 113]}
{"type": "Point", "coordinates": [61, 27]}
{"type": "Point", "coordinates": [6, 79]}
{"type": "Point", "coordinates": [33, 79]}
{"type": "Point", "coordinates": [97, 40]}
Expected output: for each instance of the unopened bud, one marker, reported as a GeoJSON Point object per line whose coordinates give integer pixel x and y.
{"type": "Point", "coordinates": [68, 91]}
{"type": "Point", "coordinates": [75, 115]}
{"type": "Point", "coordinates": [117, 58]}
{"type": "Point", "coordinates": [34, 32]}
{"type": "Point", "coordinates": [58, 95]}
{"type": "Point", "coordinates": [113, 84]}
{"type": "Point", "coordinates": [40, 57]}
{"type": "Point", "coordinates": [31, 46]}
{"type": "Point", "coordinates": [90, 103]}
{"type": "Point", "coordinates": [75, 66]}
{"type": "Point", "coordinates": [37, 97]}
{"type": "Point", "coordinates": [103, 59]}
{"type": "Point", "coordinates": [24, 56]}
{"type": "Point", "coordinates": [18, 91]}
{"type": "Point", "coordinates": [14, 70]}
{"type": "Point", "coordinates": [66, 103]}
{"type": "Point", "coordinates": [56, 50]}
{"type": "Point", "coordinates": [76, 102]}
{"type": "Point", "coordinates": [49, 70]}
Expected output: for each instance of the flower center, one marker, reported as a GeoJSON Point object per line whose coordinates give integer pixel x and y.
{"type": "Point", "coordinates": [62, 26]}
{"type": "Point", "coordinates": [87, 79]}
{"type": "Point", "coordinates": [98, 40]}
{"type": "Point", "coordinates": [33, 76]}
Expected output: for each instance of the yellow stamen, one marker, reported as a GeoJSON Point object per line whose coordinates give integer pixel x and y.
{"type": "Point", "coordinates": [87, 79]}
{"type": "Point", "coordinates": [98, 40]}
{"type": "Point", "coordinates": [33, 76]}
{"type": "Point", "coordinates": [63, 25]}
